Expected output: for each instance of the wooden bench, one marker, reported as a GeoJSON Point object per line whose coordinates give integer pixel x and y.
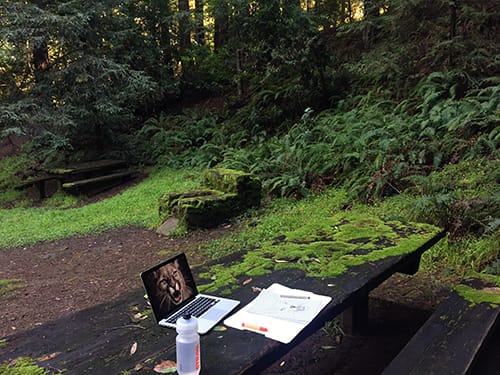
{"type": "Point", "coordinates": [101, 174]}
{"type": "Point", "coordinates": [453, 337]}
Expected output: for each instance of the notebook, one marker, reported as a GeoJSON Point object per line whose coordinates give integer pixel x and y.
{"type": "Point", "coordinates": [172, 293]}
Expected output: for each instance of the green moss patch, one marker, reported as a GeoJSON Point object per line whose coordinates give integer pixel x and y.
{"type": "Point", "coordinates": [489, 295]}
{"type": "Point", "coordinates": [480, 288]}
{"type": "Point", "coordinates": [327, 248]}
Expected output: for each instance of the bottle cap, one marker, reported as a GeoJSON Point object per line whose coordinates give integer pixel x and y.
{"type": "Point", "coordinates": [187, 324]}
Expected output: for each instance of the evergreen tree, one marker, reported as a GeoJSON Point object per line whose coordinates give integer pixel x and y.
{"type": "Point", "coordinates": [76, 90]}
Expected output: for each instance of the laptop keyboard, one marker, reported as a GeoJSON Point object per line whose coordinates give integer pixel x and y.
{"type": "Point", "coordinates": [195, 308]}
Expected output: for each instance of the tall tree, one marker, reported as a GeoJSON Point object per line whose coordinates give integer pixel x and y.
{"type": "Point", "coordinates": [88, 96]}
{"type": "Point", "coordinates": [184, 26]}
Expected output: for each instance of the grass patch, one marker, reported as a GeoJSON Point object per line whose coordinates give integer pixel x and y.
{"type": "Point", "coordinates": [135, 206]}
{"type": "Point", "coordinates": [8, 285]}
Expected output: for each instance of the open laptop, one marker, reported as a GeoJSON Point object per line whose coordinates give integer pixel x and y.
{"type": "Point", "coordinates": [172, 293]}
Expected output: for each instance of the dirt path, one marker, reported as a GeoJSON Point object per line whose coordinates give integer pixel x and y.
{"type": "Point", "coordinates": [61, 277]}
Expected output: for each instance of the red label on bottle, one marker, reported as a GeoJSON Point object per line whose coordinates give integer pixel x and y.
{"type": "Point", "coordinates": [197, 354]}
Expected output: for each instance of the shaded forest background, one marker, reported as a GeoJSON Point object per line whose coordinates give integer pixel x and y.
{"type": "Point", "coordinates": [375, 96]}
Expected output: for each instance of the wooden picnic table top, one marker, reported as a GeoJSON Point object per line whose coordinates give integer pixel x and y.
{"type": "Point", "coordinates": [92, 166]}
{"type": "Point", "coordinates": [98, 340]}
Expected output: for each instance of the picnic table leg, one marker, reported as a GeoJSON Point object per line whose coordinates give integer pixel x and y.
{"type": "Point", "coordinates": [41, 188]}
{"type": "Point", "coordinates": [355, 317]}
{"type": "Point", "coordinates": [411, 268]}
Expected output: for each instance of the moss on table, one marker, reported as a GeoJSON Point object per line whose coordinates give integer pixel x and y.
{"type": "Point", "coordinates": [326, 249]}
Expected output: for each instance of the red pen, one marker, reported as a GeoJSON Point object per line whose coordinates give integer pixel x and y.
{"type": "Point", "coordinates": [254, 327]}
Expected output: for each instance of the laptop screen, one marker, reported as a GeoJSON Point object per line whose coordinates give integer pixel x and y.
{"type": "Point", "coordinates": [169, 285]}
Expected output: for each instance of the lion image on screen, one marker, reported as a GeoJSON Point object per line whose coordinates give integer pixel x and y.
{"type": "Point", "coordinates": [171, 288]}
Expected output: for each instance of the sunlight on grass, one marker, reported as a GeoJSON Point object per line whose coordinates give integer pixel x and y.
{"type": "Point", "coordinates": [135, 206]}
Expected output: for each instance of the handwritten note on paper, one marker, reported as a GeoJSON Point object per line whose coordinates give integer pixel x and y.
{"type": "Point", "coordinates": [292, 307]}
{"type": "Point", "coordinates": [282, 312]}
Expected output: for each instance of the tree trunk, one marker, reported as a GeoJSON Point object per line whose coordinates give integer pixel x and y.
{"type": "Point", "coordinates": [199, 35]}
{"type": "Point", "coordinates": [184, 32]}
{"type": "Point", "coordinates": [453, 29]}
{"type": "Point", "coordinates": [221, 26]}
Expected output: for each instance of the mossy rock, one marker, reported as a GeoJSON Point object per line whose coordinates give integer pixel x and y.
{"type": "Point", "coordinates": [245, 185]}
{"type": "Point", "coordinates": [228, 193]}
{"type": "Point", "coordinates": [203, 208]}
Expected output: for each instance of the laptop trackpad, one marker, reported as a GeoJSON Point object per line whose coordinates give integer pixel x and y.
{"type": "Point", "coordinates": [213, 314]}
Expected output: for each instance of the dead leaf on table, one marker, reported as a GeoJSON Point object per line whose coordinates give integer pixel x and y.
{"type": "Point", "coordinates": [328, 347]}
{"type": "Point", "coordinates": [47, 357]}
{"type": "Point", "coordinates": [165, 367]}
{"type": "Point", "coordinates": [136, 318]}
{"type": "Point", "coordinates": [138, 367]}
{"type": "Point", "coordinates": [256, 289]}
{"type": "Point", "coordinates": [247, 281]}
{"type": "Point", "coordinates": [220, 328]}
{"type": "Point", "coordinates": [133, 348]}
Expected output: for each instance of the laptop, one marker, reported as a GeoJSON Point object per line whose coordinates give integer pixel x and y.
{"type": "Point", "coordinates": [172, 293]}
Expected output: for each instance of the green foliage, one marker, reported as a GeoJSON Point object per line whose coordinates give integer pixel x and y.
{"type": "Point", "coordinates": [191, 139]}
{"type": "Point", "coordinates": [493, 268]}
{"type": "Point", "coordinates": [22, 366]}
{"type": "Point", "coordinates": [458, 257]}
{"type": "Point", "coordinates": [463, 197]}
{"type": "Point", "coordinates": [9, 168]}
{"type": "Point", "coordinates": [136, 206]}
{"type": "Point", "coordinates": [75, 92]}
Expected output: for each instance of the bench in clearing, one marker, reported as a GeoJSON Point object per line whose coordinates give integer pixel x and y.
{"type": "Point", "coordinates": [451, 340]}
{"type": "Point", "coordinates": [103, 174]}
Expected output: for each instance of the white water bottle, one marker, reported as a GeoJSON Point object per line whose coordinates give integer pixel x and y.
{"type": "Point", "coordinates": [188, 346]}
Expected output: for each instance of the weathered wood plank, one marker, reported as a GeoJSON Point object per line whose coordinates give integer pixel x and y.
{"type": "Point", "coordinates": [450, 341]}
{"type": "Point", "coordinates": [96, 180]}
{"type": "Point", "coordinates": [98, 165]}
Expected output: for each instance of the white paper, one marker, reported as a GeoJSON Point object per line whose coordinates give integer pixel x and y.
{"type": "Point", "coordinates": [282, 311]}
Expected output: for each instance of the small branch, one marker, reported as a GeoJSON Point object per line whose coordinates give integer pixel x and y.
{"type": "Point", "coordinates": [128, 326]}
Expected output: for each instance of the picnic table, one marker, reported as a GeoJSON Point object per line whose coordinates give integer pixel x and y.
{"type": "Point", "coordinates": [72, 177]}
{"type": "Point", "coordinates": [99, 340]}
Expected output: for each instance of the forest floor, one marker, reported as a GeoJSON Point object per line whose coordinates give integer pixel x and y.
{"type": "Point", "coordinates": [60, 278]}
